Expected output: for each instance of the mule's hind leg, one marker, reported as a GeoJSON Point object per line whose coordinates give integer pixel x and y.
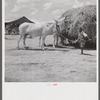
{"type": "Point", "coordinates": [19, 41]}
{"type": "Point", "coordinates": [40, 41]}
{"type": "Point", "coordinates": [24, 38]}
{"type": "Point", "coordinates": [43, 42]}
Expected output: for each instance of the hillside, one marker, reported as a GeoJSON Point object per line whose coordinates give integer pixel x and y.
{"type": "Point", "coordinates": [84, 17]}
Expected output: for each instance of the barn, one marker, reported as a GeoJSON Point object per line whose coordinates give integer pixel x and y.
{"type": "Point", "coordinates": [11, 28]}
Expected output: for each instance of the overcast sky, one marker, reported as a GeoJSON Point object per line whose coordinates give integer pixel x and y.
{"type": "Point", "coordinates": [41, 10]}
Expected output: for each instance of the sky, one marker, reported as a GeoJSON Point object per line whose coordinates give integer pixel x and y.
{"type": "Point", "coordinates": [41, 10]}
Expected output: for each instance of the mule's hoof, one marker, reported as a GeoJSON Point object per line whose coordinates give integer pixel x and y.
{"type": "Point", "coordinates": [18, 48]}
{"type": "Point", "coordinates": [43, 49]}
{"type": "Point", "coordinates": [82, 53]}
{"type": "Point", "coordinates": [45, 45]}
{"type": "Point", "coordinates": [26, 48]}
{"type": "Point", "coordinates": [54, 46]}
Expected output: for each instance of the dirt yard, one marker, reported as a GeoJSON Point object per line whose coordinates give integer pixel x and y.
{"type": "Point", "coordinates": [51, 65]}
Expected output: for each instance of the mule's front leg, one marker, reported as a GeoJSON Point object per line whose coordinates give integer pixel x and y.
{"type": "Point", "coordinates": [43, 42]}
{"type": "Point", "coordinates": [19, 42]}
{"type": "Point", "coordinates": [39, 41]}
{"type": "Point", "coordinates": [54, 41]}
{"type": "Point", "coordinates": [57, 40]}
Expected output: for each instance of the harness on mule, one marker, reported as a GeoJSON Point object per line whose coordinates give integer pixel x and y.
{"type": "Point", "coordinates": [59, 32]}
{"type": "Point", "coordinates": [75, 41]}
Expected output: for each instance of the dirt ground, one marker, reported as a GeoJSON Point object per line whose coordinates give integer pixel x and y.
{"type": "Point", "coordinates": [51, 65]}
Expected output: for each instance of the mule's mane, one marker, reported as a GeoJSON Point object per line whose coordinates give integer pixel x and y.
{"type": "Point", "coordinates": [51, 26]}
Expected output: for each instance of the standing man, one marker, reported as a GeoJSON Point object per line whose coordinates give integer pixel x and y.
{"type": "Point", "coordinates": [82, 36]}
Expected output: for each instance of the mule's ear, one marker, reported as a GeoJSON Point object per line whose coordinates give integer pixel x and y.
{"type": "Point", "coordinates": [55, 20]}
{"type": "Point", "coordinates": [65, 20]}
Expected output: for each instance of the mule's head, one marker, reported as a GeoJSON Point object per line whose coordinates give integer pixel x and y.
{"type": "Point", "coordinates": [57, 25]}
{"type": "Point", "coordinates": [61, 25]}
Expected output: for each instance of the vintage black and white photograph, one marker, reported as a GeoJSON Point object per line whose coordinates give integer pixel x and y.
{"type": "Point", "coordinates": [50, 40]}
